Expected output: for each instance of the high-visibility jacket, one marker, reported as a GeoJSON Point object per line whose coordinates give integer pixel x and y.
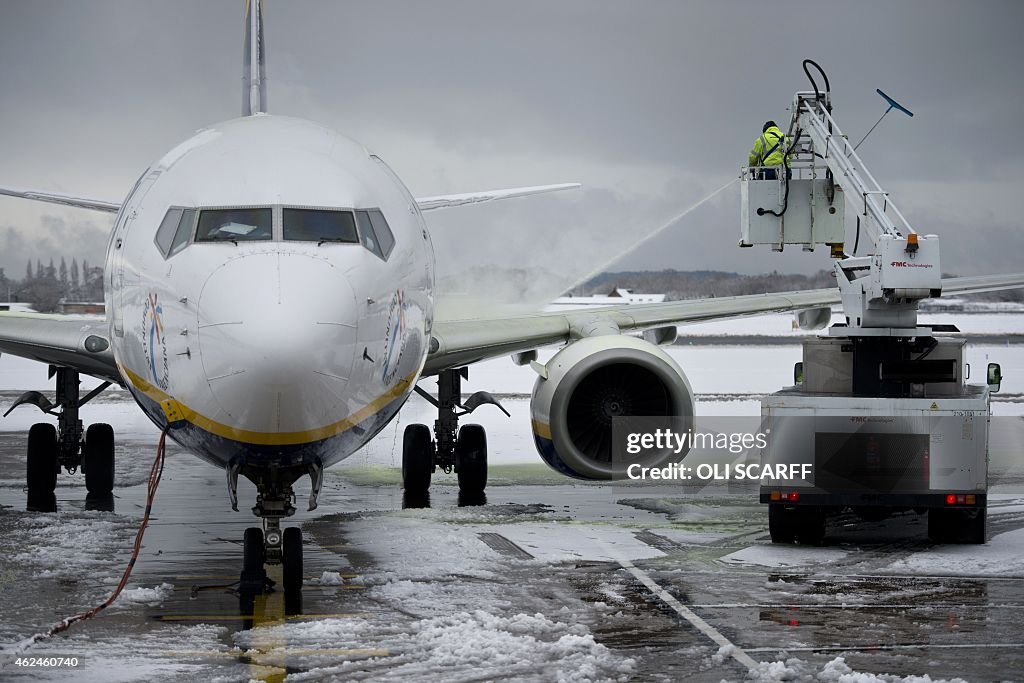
{"type": "Point", "coordinates": [769, 149]}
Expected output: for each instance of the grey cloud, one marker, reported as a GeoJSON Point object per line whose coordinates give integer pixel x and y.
{"type": "Point", "coordinates": [653, 104]}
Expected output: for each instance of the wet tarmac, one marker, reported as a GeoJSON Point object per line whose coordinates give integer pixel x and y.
{"type": "Point", "coordinates": [537, 582]}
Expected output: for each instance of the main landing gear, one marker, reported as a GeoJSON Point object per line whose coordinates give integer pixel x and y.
{"type": "Point", "coordinates": [67, 445]}
{"type": "Point", "coordinates": [453, 448]}
{"type": "Point", "coordinates": [270, 547]}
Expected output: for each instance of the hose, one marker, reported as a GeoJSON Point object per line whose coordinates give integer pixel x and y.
{"type": "Point", "coordinates": [155, 473]}
{"type": "Point", "coordinates": [785, 158]}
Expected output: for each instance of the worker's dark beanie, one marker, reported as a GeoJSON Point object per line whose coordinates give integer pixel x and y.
{"type": "Point", "coordinates": [767, 125]}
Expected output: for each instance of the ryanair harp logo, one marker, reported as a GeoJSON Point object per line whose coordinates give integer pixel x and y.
{"type": "Point", "coordinates": [154, 343]}
{"type": "Point", "coordinates": [394, 337]}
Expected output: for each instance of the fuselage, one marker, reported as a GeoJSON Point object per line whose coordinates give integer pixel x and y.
{"type": "Point", "coordinates": [257, 302]}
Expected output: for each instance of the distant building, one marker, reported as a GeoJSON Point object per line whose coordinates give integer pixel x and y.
{"type": "Point", "coordinates": [80, 307]}
{"type": "Point", "coordinates": [616, 297]}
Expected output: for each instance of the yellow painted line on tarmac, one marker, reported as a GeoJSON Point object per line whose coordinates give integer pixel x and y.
{"type": "Point", "coordinates": [309, 652]}
{"type": "Point", "coordinates": [268, 611]}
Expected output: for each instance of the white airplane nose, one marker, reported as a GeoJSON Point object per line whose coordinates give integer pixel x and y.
{"type": "Point", "coordinates": [277, 335]}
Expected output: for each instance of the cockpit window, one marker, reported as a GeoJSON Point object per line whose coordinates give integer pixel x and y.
{"type": "Point", "coordinates": [318, 225]}
{"type": "Point", "coordinates": [234, 225]}
{"type": "Point", "coordinates": [383, 232]}
{"type": "Point", "coordinates": [375, 233]}
{"type": "Point", "coordinates": [174, 231]}
{"type": "Point", "coordinates": [165, 233]}
{"type": "Point", "coordinates": [180, 241]}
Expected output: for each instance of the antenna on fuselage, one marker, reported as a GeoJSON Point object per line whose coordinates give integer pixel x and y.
{"type": "Point", "coordinates": [254, 61]}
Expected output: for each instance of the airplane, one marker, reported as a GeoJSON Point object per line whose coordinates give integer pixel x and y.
{"type": "Point", "coordinates": [270, 304]}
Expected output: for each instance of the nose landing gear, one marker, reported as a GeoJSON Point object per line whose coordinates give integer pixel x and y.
{"type": "Point", "coordinates": [280, 550]}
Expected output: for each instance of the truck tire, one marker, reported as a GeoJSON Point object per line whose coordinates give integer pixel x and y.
{"type": "Point", "coordinates": [780, 524]}
{"type": "Point", "coordinates": [810, 528]}
{"type": "Point", "coordinates": [947, 525]}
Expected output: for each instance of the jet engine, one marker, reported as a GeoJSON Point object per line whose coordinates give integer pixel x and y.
{"type": "Point", "coordinates": [590, 382]}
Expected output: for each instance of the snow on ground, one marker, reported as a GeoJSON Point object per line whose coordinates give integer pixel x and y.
{"type": "Point", "coordinates": [145, 596]}
{"type": "Point", "coordinates": [166, 654]}
{"type": "Point", "coordinates": [1003, 555]}
{"type": "Point", "coordinates": [489, 646]}
{"type": "Point", "coordinates": [82, 543]}
{"type": "Point", "coordinates": [834, 671]}
{"type": "Point", "coordinates": [783, 556]}
{"type": "Point", "coordinates": [560, 542]}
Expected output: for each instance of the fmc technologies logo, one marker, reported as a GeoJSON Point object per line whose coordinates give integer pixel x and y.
{"type": "Point", "coordinates": [907, 264]}
{"type": "Point", "coordinates": [154, 344]}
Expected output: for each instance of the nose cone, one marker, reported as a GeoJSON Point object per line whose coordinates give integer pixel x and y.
{"type": "Point", "coordinates": [277, 335]}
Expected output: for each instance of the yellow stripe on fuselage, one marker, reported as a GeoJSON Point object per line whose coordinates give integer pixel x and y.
{"type": "Point", "coordinates": [269, 438]}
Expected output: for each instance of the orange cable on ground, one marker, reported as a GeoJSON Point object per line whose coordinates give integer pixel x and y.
{"type": "Point", "coordinates": [155, 473]}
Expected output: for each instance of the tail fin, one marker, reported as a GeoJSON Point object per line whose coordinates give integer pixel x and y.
{"type": "Point", "coordinates": [254, 64]}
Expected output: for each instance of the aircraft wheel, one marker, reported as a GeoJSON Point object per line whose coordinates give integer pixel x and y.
{"type": "Point", "coordinates": [417, 458]}
{"type": "Point", "coordinates": [471, 459]}
{"type": "Point", "coordinates": [41, 468]}
{"type": "Point", "coordinates": [253, 551]}
{"type": "Point", "coordinates": [98, 459]}
{"type": "Point", "coordinates": [291, 559]}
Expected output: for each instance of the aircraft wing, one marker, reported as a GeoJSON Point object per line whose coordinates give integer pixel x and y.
{"type": "Point", "coordinates": [444, 201]}
{"type": "Point", "coordinates": [441, 201]}
{"type": "Point", "coordinates": [72, 341]}
{"type": "Point", "coordinates": [456, 343]}
{"type": "Point", "coordinates": [64, 199]}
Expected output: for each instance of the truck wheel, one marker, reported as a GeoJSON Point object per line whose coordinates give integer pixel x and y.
{"type": "Point", "coordinates": [780, 524]}
{"type": "Point", "coordinates": [940, 525]}
{"type": "Point", "coordinates": [810, 528]}
{"type": "Point", "coordinates": [972, 526]}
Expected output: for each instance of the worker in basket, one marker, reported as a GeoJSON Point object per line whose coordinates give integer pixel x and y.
{"type": "Point", "coordinates": [769, 151]}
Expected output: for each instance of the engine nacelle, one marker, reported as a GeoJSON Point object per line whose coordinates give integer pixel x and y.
{"type": "Point", "coordinates": [593, 380]}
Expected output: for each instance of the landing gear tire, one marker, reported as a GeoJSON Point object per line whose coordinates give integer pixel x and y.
{"type": "Point", "coordinates": [291, 559]}
{"type": "Point", "coordinates": [98, 459]}
{"type": "Point", "coordinates": [253, 550]}
{"type": "Point", "coordinates": [471, 459]}
{"type": "Point", "coordinates": [417, 459]}
{"type": "Point", "coordinates": [41, 469]}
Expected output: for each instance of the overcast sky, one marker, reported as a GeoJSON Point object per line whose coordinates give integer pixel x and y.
{"type": "Point", "coordinates": [652, 105]}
